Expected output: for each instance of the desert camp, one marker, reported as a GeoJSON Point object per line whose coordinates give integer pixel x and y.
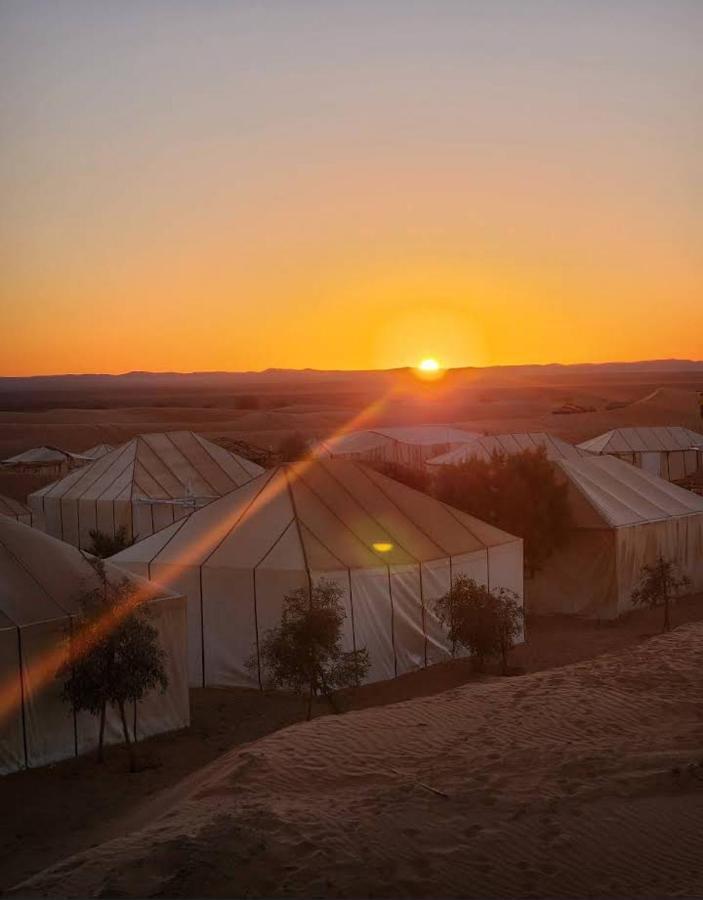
{"type": "Point", "coordinates": [142, 486]}
{"type": "Point", "coordinates": [351, 449]}
{"type": "Point", "coordinates": [391, 549]}
{"type": "Point", "coordinates": [40, 581]}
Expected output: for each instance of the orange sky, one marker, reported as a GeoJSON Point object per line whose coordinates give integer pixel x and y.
{"type": "Point", "coordinates": [348, 187]}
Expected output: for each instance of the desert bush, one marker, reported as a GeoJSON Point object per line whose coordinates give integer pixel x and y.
{"type": "Point", "coordinates": [104, 545]}
{"type": "Point", "coordinates": [485, 622]}
{"type": "Point", "coordinates": [114, 657]}
{"type": "Point", "coordinates": [304, 653]}
{"type": "Point", "coordinates": [519, 493]}
{"type": "Point", "coordinates": [659, 583]}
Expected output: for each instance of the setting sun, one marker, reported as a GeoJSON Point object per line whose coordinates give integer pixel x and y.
{"type": "Point", "coordinates": [429, 365]}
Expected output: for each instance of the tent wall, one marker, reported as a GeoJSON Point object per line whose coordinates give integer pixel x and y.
{"type": "Point", "coordinates": [389, 609]}
{"type": "Point", "coordinates": [678, 539]}
{"type": "Point", "coordinates": [578, 579]}
{"type": "Point", "coordinates": [673, 465]}
{"type": "Point", "coordinates": [12, 755]}
{"type": "Point", "coordinates": [41, 728]}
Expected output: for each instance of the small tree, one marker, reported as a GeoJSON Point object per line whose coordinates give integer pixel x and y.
{"type": "Point", "coordinates": [485, 622]}
{"type": "Point", "coordinates": [659, 583]}
{"type": "Point", "coordinates": [104, 545]}
{"type": "Point", "coordinates": [115, 656]}
{"type": "Point", "coordinates": [518, 492]}
{"type": "Point", "coordinates": [304, 652]}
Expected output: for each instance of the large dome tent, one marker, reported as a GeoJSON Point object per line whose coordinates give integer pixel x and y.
{"type": "Point", "coordinates": [142, 486]}
{"type": "Point", "coordinates": [671, 452]}
{"type": "Point", "coordinates": [390, 549]}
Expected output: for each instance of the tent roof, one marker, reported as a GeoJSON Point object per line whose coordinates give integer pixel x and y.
{"type": "Point", "coordinates": [13, 508]}
{"type": "Point", "coordinates": [623, 494]}
{"type": "Point", "coordinates": [38, 456]}
{"type": "Point", "coordinates": [96, 452]}
{"type": "Point", "coordinates": [638, 440]}
{"type": "Point", "coordinates": [41, 577]}
{"type": "Point", "coordinates": [483, 448]}
{"type": "Point", "coordinates": [419, 435]}
{"type": "Point", "coordinates": [170, 465]}
{"type": "Point", "coordinates": [323, 515]}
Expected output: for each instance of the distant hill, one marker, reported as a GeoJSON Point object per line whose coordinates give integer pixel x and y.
{"type": "Point", "coordinates": [274, 376]}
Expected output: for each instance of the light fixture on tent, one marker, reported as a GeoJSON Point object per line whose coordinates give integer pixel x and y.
{"type": "Point", "coordinates": [382, 546]}
{"type": "Point", "coordinates": [190, 501]}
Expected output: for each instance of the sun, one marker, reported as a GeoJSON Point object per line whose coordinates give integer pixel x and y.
{"type": "Point", "coordinates": [429, 365]}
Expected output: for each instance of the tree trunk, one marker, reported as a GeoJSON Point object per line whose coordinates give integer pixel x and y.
{"type": "Point", "coordinates": [101, 734]}
{"type": "Point", "coordinates": [504, 657]}
{"type": "Point", "coordinates": [667, 621]}
{"type": "Point", "coordinates": [128, 742]}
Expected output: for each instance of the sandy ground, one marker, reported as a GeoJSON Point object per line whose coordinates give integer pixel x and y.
{"type": "Point", "coordinates": [67, 808]}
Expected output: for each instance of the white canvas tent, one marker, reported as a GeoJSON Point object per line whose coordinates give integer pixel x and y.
{"type": "Point", "coordinates": [483, 447]}
{"type": "Point", "coordinates": [43, 460]}
{"type": "Point", "coordinates": [144, 485]}
{"type": "Point", "coordinates": [391, 550]}
{"type": "Point", "coordinates": [406, 445]}
{"type": "Point", "coordinates": [40, 579]}
{"type": "Point", "coordinates": [671, 452]}
{"type": "Point", "coordinates": [623, 519]}
{"type": "Point", "coordinates": [15, 510]}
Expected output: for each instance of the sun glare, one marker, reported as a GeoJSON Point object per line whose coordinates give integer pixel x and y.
{"type": "Point", "coordinates": [429, 365]}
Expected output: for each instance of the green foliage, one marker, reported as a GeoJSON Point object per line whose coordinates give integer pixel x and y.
{"type": "Point", "coordinates": [293, 447]}
{"type": "Point", "coordinates": [104, 545]}
{"type": "Point", "coordinates": [519, 493]}
{"type": "Point", "coordinates": [485, 622]}
{"type": "Point", "coordinates": [304, 652]}
{"type": "Point", "coordinates": [419, 479]}
{"type": "Point", "coordinates": [116, 656]}
{"type": "Point", "coordinates": [659, 582]}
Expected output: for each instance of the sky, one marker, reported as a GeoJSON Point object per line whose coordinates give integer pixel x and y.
{"type": "Point", "coordinates": [223, 185]}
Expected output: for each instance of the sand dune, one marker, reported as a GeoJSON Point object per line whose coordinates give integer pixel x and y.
{"type": "Point", "coordinates": [575, 781]}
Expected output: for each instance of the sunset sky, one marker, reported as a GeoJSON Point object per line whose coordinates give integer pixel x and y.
{"type": "Point", "coordinates": [235, 185]}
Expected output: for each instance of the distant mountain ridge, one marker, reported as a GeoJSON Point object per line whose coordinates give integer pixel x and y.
{"type": "Point", "coordinates": [104, 379]}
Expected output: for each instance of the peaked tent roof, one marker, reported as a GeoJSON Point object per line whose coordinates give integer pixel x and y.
{"type": "Point", "coordinates": [483, 448]}
{"type": "Point", "coordinates": [419, 435]}
{"type": "Point", "coordinates": [639, 440]}
{"type": "Point", "coordinates": [13, 508]}
{"type": "Point", "coordinates": [623, 494]}
{"type": "Point", "coordinates": [41, 577]}
{"type": "Point", "coordinates": [322, 515]}
{"type": "Point", "coordinates": [164, 466]}
{"type": "Point", "coordinates": [38, 456]}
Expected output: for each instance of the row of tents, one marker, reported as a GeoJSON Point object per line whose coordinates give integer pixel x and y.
{"type": "Point", "coordinates": [672, 452]}
{"type": "Point", "coordinates": [220, 541]}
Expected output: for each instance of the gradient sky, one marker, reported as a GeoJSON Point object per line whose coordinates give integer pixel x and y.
{"type": "Point", "coordinates": [230, 185]}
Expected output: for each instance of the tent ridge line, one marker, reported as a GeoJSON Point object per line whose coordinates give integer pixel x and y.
{"type": "Point", "coordinates": [300, 536]}
{"type": "Point", "coordinates": [34, 578]}
{"type": "Point", "coordinates": [81, 473]}
{"type": "Point", "coordinates": [239, 518]}
{"type": "Point", "coordinates": [185, 456]}
{"type": "Point", "coordinates": [203, 441]}
{"type": "Point", "coordinates": [97, 479]}
{"type": "Point", "coordinates": [358, 502]}
{"type": "Point", "coordinates": [402, 512]}
{"type": "Point", "coordinates": [161, 549]}
{"type": "Point", "coordinates": [336, 516]}
{"type": "Point", "coordinates": [143, 439]}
